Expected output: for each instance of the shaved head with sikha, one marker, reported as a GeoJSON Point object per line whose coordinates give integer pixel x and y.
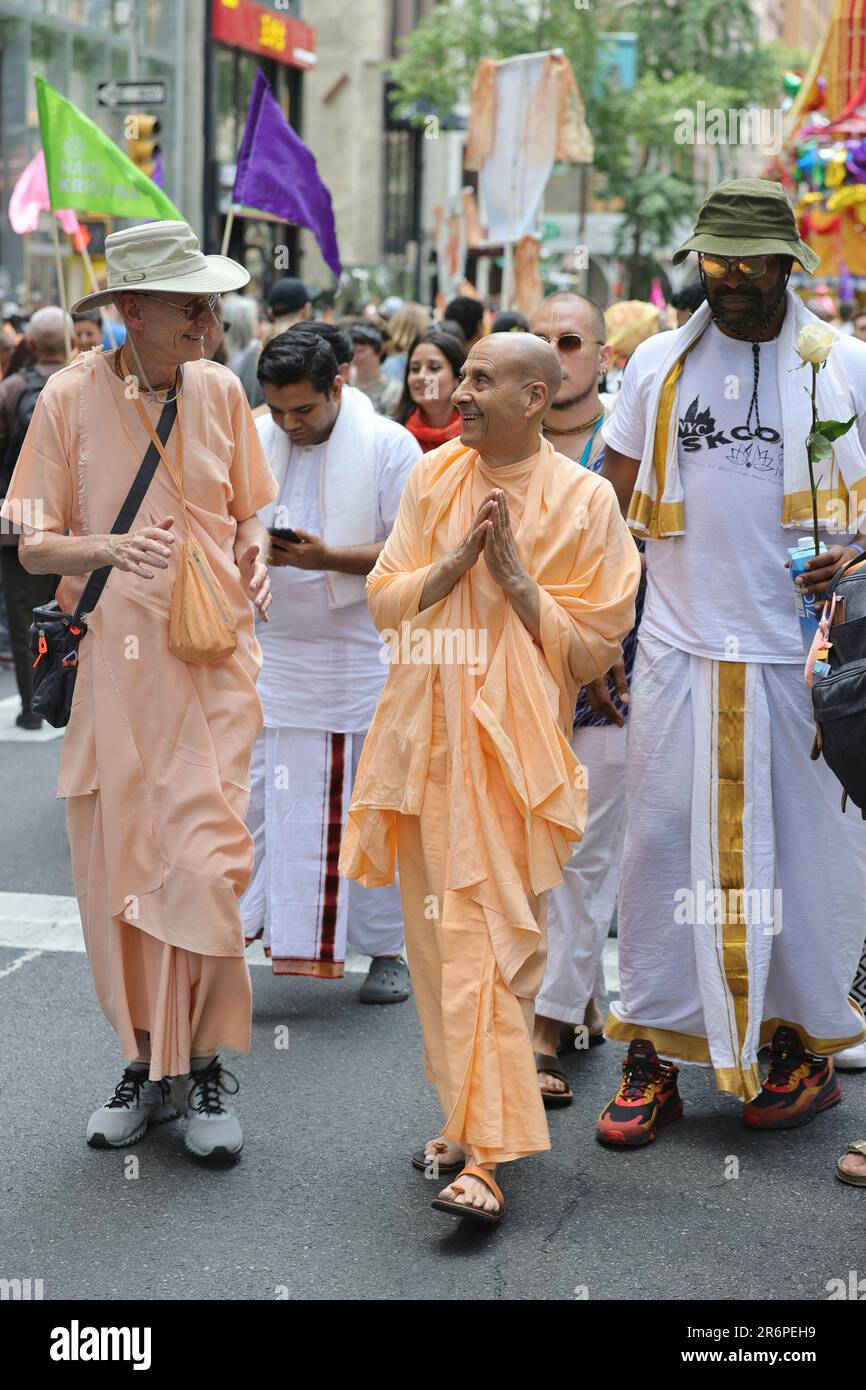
{"type": "Point", "coordinates": [506, 384]}
{"type": "Point", "coordinates": [525, 357]}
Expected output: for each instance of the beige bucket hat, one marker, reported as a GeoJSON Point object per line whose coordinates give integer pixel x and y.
{"type": "Point", "coordinates": [162, 256]}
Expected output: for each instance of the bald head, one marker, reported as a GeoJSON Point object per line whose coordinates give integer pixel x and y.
{"type": "Point", "coordinates": [522, 357]}
{"type": "Point", "coordinates": [45, 332]}
{"type": "Point", "coordinates": [506, 384]}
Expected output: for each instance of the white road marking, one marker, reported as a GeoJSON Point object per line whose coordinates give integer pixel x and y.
{"type": "Point", "coordinates": [47, 922]}
{"type": "Point", "coordinates": [10, 708]}
{"type": "Point", "coordinates": [18, 962]}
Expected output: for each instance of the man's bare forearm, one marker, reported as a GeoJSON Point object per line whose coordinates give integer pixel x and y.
{"type": "Point", "coordinates": [52, 554]}
{"type": "Point", "coordinates": [621, 472]}
{"type": "Point", "coordinates": [523, 595]}
{"type": "Point", "coordinates": [251, 531]}
{"type": "Point", "coordinates": [354, 559]}
{"type": "Point", "coordinates": [439, 582]}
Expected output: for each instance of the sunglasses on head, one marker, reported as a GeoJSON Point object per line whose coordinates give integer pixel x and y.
{"type": "Point", "coordinates": [717, 267]}
{"type": "Point", "coordinates": [193, 308]}
{"type": "Point", "coordinates": [567, 342]}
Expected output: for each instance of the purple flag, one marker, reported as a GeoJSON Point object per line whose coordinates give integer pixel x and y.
{"type": "Point", "coordinates": [276, 173]}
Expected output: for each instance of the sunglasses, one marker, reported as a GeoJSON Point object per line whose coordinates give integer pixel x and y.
{"type": "Point", "coordinates": [194, 308]}
{"type": "Point", "coordinates": [568, 342]}
{"type": "Point", "coordinates": [717, 267]}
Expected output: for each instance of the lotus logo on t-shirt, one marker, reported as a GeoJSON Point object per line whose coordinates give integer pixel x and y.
{"type": "Point", "coordinates": [744, 449]}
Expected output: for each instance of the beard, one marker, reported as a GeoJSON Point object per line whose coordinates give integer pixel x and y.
{"type": "Point", "coordinates": [759, 311]}
{"type": "Point", "coordinates": [739, 320]}
{"type": "Point", "coordinates": [573, 400]}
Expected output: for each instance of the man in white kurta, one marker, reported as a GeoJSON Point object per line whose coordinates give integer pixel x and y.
{"type": "Point", "coordinates": [340, 469]}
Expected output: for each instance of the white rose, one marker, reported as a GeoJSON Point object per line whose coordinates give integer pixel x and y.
{"type": "Point", "coordinates": [814, 342]}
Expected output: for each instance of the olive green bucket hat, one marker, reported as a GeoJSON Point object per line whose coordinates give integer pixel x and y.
{"type": "Point", "coordinates": [748, 217]}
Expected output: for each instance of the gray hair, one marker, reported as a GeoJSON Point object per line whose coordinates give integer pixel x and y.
{"type": "Point", "coordinates": [45, 330]}
{"type": "Point", "coordinates": [241, 315]}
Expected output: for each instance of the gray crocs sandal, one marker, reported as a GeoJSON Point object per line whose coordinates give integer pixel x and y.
{"type": "Point", "coordinates": [387, 981]}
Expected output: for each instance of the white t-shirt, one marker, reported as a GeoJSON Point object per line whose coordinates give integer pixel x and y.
{"type": "Point", "coordinates": [321, 666]}
{"type": "Point", "coordinates": [721, 590]}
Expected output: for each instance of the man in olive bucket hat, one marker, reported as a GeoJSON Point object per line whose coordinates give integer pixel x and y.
{"type": "Point", "coordinates": [742, 900]}
{"type": "Point", "coordinates": [156, 756]}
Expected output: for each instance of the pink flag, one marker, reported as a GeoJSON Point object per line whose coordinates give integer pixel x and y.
{"type": "Point", "coordinates": [656, 295]}
{"type": "Point", "coordinates": [30, 197]}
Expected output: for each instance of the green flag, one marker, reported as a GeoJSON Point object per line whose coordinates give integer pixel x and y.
{"type": "Point", "coordinates": [87, 171]}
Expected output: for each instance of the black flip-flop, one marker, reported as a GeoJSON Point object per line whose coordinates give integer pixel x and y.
{"type": "Point", "coordinates": [491, 1218]}
{"type": "Point", "coordinates": [544, 1062]}
{"type": "Point", "coordinates": [422, 1161]}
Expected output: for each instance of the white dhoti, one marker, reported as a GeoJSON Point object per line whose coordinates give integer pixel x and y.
{"type": "Point", "coordinates": [301, 786]}
{"type": "Point", "coordinates": [741, 901]}
{"type": "Point", "coordinates": [580, 909]}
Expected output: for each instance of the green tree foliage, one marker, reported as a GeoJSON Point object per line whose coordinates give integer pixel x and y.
{"type": "Point", "coordinates": [441, 54]}
{"type": "Point", "coordinates": [688, 51]}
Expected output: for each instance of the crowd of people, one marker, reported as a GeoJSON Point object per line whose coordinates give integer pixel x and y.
{"type": "Point", "coordinates": [514, 652]}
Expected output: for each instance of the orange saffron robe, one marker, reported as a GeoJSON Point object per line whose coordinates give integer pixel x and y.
{"type": "Point", "coordinates": [468, 766]}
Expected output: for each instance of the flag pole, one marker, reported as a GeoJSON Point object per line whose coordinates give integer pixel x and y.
{"type": "Point", "coordinates": [227, 234]}
{"type": "Point", "coordinates": [91, 275]}
{"type": "Point", "coordinates": [61, 287]}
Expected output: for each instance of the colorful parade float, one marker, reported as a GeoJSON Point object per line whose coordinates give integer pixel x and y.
{"type": "Point", "coordinates": [823, 158]}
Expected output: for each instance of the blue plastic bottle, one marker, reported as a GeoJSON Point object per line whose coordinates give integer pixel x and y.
{"type": "Point", "coordinates": [807, 606]}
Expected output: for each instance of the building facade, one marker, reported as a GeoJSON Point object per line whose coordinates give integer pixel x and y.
{"type": "Point", "coordinates": [242, 37]}
{"type": "Point", "coordinates": [386, 174]}
{"type": "Point", "coordinates": [76, 45]}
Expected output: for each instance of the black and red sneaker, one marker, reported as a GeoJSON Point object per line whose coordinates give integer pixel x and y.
{"type": "Point", "coordinates": [647, 1097]}
{"type": "Point", "coordinates": [798, 1086]}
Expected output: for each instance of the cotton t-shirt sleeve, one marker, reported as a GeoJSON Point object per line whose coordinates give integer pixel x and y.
{"type": "Point", "coordinates": [625, 429]}
{"type": "Point", "coordinates": [395, 464]}
{"type": "Point", "coordinates": [40, 496]}
{"type": "Point", "coordinates": [253, 483]}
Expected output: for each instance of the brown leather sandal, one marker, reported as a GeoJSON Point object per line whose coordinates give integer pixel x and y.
{"type": "Point", "coordinates": [462, 1208]}
{"type": "Point", "coordinates": [544, 1062]}
{"type": "Point", "coordinates": [853, 1179]}
{"type": "Point", "coordinates": [422, 1161]}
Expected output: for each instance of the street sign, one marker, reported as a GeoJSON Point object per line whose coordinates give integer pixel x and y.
{"type": "Point", "coordinates": [122, 93]}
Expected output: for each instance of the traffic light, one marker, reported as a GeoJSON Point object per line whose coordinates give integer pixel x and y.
{"type": "Point", "coordinates": [142, 146]}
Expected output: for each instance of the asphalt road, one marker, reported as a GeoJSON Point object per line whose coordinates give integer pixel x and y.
{"type": "Point", "coordinates": [324, 1203]}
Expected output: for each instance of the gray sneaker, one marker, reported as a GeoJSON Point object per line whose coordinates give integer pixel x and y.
{"type": "Point", "coordinates": [136, 1103]}
{"type": "Point", "coordinates": [214, 1130]}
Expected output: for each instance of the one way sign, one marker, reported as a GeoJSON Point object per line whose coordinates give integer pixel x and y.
{"type": "Point", "coordinates": [120, 93]}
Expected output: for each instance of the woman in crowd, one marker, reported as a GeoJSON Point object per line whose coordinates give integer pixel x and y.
{"type": "Point", "coordinates": [403, 329]}
{"type": "Point", "coordinates": [434, 362]}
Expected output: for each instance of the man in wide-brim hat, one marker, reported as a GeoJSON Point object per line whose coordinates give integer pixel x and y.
{"type": "Point", "coordinates": [741, 906]}
{"type": "Point", "coordinates": [155, 763]}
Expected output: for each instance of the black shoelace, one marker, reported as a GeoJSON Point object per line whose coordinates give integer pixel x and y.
{"type": "Point", "coordinates": [784, 1057]}
{"type": "Point", "coordinates": [637, 1076]}
{"type": "Point", "coordinates": [128, 1090]}
{"type": "Point", "coordinates": [206, 1087]}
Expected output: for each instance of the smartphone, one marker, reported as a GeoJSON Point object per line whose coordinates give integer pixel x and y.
{"type": "Point", "coordinates": [285, 533]}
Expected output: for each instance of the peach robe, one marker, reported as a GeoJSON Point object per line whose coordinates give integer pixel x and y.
{"type": "Point", "coordinates": [468, 776]}
{"type": "Point", "coordinates": [156, 756]}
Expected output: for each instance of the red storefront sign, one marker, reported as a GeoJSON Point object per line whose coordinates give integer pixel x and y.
{"type": "Point", "coordinates": [267, 32]}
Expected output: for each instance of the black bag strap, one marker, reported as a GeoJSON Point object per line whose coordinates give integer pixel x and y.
{"type": "Point", "coordinates": [99, 578]}
{"type": "Point", "coordinates": [857, 560]}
